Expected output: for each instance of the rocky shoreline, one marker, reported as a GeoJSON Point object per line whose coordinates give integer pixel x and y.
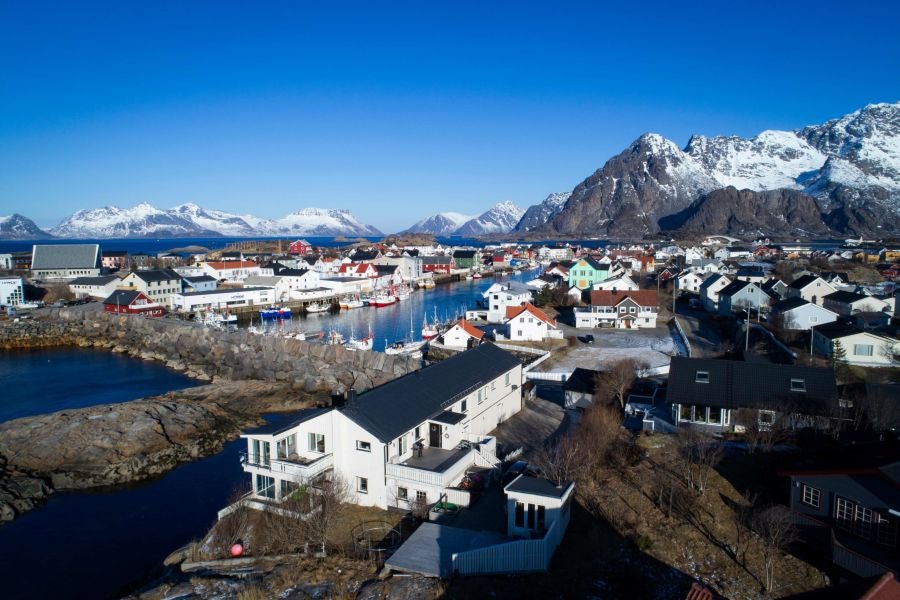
{"type": "Point", "coordinates": [122, 443]}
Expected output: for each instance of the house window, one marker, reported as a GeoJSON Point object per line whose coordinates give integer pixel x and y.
{"type": "Point", "coordinates": [402, 493]}
{"type": "Point", "coordinates": [684, 412]}
{"type": "Point", "coordinates": [507, 379]}
{"type": "Point", "coordinates": [363, 446]}
{"type": "Point", "coordinates": [862, 525]}
{"type": "Point", "coordinates": [418, 434]}
{"type": "Point", "coordinates": [421, 497]}
{"type": "Point", "coordinates": [811, 496]}
{"type": "Point", "coordinates": [862, 349]}
{"type": "Point", "coordinates": [403, 445]}
{"type": "Point", "coordinates": [362, 485]}
{"type": "Point", "coordinates": [715, 415]}
{"type": "Point", "coordinates": [766, 417]}
{"type": "Point", "coordinates": [316, 442]}
{"type": "Point", "coordinates": [887, 530]}
{"type": "Point", "coordinates": [531, 515]}
{"type": "Point", "coordinates": [798, 385]}
{"type": "Point", "coordinates": [520, 514]}
{"type": "Point", "coordinates": [541, 517]}
{"type": "Point", "coordinates": [843, 514]}
{"type": "Point", "coordinates": [702, 377]}
{"type": "Point", "coordinates": [265, 486]}
{"type": "Point", "coordinates": [462, 406]}
{"type": "Point", "coordinates": [480, 396]}
{"type": "Point", "coordinates": [631, 309]}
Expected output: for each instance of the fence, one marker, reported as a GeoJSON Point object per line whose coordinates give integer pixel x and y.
{"type": "Point", "coordinates": [532, 376]}
{"type": "Point", "coordinates": [512, 557]}
{"type": "Point", "coordinates": [684, 337]}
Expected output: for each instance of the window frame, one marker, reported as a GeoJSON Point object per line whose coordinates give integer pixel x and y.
{"type": "Point", "coordinates": [362, 485]}
{"type": "Point", "coordinates": [798, 385]}
{"type": "Point", "coordinates": [363, 446]}
{"type": "Point", "coordinates": [814, 496]}
{"type": "Point", "coordinates": [701, 377]}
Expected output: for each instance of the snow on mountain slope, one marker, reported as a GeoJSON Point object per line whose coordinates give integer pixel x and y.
{"type": "Point", "coordinates": [501, 218]}
{"type": "Point", "coordinates": [145, 220]}
{"type": "Point", "coordinates": [538, 214]}
{"type": "Point", "coordinates": [771, 160]}
{"type": "Point", "coordinates": [17, 227]}
{"type": "Point", "coordinates": [443, 223]}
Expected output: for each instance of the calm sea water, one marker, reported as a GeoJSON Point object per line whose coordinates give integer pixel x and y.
{"type": "Point", "coordinates": [47, 380]}
{"type": "Point", "coordinates": [94, 544]}
{"type": "Point", "coordinates": [403, 319]}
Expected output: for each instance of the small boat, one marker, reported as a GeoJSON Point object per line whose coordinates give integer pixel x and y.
{"type": "Point", "coordinates": [275, 314]}
{"type": "Point", "coordinates": [405, 348]}
{"type": "Point", "coordinates": [317, 307]}
{"type": "Point", "coordinates": [476, 275]}
{"type": "Point", "coordinates": [429, 284]}
{"type": "Point", "coordinates": [365, 343]}
{"type": "Point", "coordinates": [469, 276]}
{"type": "Point", "coordinates": [403, 293]}
{"type": "Point", "coordinates": [294, 335]}
{"type": "Point", "coordinates": [350, 302]}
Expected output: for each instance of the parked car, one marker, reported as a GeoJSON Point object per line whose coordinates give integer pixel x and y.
{"type": "Point", "coordinates": [587, 339]}
{"type": "Point", "coordinates": [695, 303]}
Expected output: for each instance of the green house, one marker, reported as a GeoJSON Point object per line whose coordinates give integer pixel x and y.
{"type": "Point", "coordinates": [467, 259]}
{"type": "Point", "coordinates": [586, 272]}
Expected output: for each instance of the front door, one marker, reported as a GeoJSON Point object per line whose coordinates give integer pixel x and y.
{"type": "Point", "coordinates": [434, 435]}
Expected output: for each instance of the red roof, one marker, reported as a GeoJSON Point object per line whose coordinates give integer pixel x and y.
{"type": "Point", "coordinates": [886, 588]}
{"type": "Point", "coordinates": [613, 298]}
{"type": "Point", "coordinates": [698, 592]}
{"type": "Point", "coordinates": [231, 264]}
{"type": "Point", "coordinates": [515, 311]}
{"type": "Point", "coordinates": [470, 329]}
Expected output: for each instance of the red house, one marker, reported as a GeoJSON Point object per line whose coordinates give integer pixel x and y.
{"type": "Point", "coordinates": [299, 248]}
{"type": "Point", "coordinates": [127, 302]}
{"type": "Point", "coordinates": [438, 264]}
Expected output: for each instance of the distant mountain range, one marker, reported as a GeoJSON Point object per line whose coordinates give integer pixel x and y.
{"type": "Point", "coordinates": [836, 179]}
{"type": "Point", "coordinates": [188, 220]}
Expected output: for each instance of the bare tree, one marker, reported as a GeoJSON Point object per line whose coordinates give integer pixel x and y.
{"type": "Point", "coordinates": [562, 460]}
{"type": "Point", "coordinates": [699, 454]}
{"type": "Point", "coordinates": [742, 520]}
{"type": "Point", "coordinates": [327, 501]}
{"type": "Point", "coordinates": [234, 526]}
{"type": "Point", "coordinates": [615, 382]}
{"type": "Point", "coordinates": [776, 530]}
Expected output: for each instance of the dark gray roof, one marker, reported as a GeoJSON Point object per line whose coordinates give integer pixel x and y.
{"type": "Point", "coordinates": [399, 405]}
{"type": "Point", "coordinates": [436, 260]}
{"type": "Point", "coordinates": [463, 254]}
{"type": "Point", "coordinates": [845, 297]}
{"type": "Point", "coordinates": [448, 417]}
{"type": "Point", "coordinates": [101, 280]}
{"type": "Point", "coordinates": [115, 253]}
{"type": "Point", "coordinates": [736, 384]}
{"type": "Point", "coordinates": [157, 275]}
{"type": "Point", "coordinates": [836, 330]}
{"type": "Point", "coordinates": [361, 255]}
{"type": "Point", "coordinates": [789, 304]}
{"type": "Point", "coordinates": [734, 287]}
{"type": "Point", "coordinates": [802, 282]}
{"type": "Point", "coordinates": [582, 380]}
{"type": "Point", "coordinates": [385, 269]}
{"type": "Point", "coordinates": [65, 256]}
{"type": "Point", "coordinates": [224, 291]}
{"type": "Point", "coordinates": [199, 278]}
{"type": "Point", "coordinates": [123, 297]}
{"type": "Point", "coordinates": [277, 428]}
{"type": "Point", "coordinates": [537, 486]}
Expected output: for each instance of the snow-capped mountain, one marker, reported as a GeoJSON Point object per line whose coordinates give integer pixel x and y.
{"type": "Point", "coordinates": [850, 166]}
{"type": "Point", "coordinates": [538, 214]}
{"type": "Point", "coordinates": [445, 223]}
{"type": "Point", "coordinates": [190, 220]}
{"type": "Point", "coordinates": [501, 218]}
{"type": "Point", "coordinates": [17, 227]}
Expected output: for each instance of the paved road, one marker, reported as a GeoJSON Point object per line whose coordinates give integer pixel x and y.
{"type": "Point", "coordinates": [702, 333]}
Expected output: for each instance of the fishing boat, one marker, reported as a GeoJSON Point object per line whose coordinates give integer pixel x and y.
{"type": "Point", "coordinates": [275, 314]}
{"type": "Point", "coordinates": [476, 275]}
{"type": "Point", "coordinates": [403, 293]}
{"type": "Point", "coordinates": [430, 330]}
{"type": "Point", "coordinates": [408, 348]}
{"type": "Point", "coordinates": [429, 284]}
{"type": "Point", "coordinates": [317, 307]}
{"type": "Point", "coordinates": [383, 299]}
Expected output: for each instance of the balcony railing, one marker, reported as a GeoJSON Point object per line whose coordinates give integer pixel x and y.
{"type": "Point", "coordinates": [442, 475]}
{"type": "Point", "coordinates": [299, 470]}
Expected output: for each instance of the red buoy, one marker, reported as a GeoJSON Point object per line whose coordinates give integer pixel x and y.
{"type": "Point", "coordinates": [237, 550]}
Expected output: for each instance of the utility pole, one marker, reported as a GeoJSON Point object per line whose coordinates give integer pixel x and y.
{"type": "Point", "coordinates": [747, 326]}
{"type": "Point", "coordinates": [811, 336]}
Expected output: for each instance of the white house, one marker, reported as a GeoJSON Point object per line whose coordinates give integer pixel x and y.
{"type": "Point", "coordinates": [462, 335]}
{"type": "Point", "coordinates": [12, 292]}
{"type": "Point", "coordinates": [811, 288]}
{"type": "Point", "coordinates": [65, 261]}
{"type": "Point", "coordinates": [689, 281]}
{"type": "Point", "coordinates": [621, 283]}
{"type": "Point", "coordinates": [222, 299]}
{"type": "Point", "coordinates": [230, 271]}
{"type": "Point", "coordinates": [848, 304]}
{"type": "Point", "coordinates": [405, 443]}
{"type": "Point", "coordinates": [95, 287]}
{"type": "Point", "coordinates": [160, 285]}
{"type": "Point", "coordinates": [862, 348]}
{"type": "Point", "coordinates": [611, 308]}
{"type": "Point", "coordinates": [503, 294]}
{"type": "Point", "coordinates": [798, 314]}
{"type": "Point", "coordinates": [527, 323]}
{"type": "Point", "coordinates": [709, 291]}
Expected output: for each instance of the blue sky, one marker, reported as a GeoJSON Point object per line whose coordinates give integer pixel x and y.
{"type": "Point", "coordinates": [400, 110]}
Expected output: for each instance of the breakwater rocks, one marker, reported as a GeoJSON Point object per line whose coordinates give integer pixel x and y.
{"type": "Point", "coordinates": [210, 354]}
{"type": "Point", "coordinates": [121, 443]}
